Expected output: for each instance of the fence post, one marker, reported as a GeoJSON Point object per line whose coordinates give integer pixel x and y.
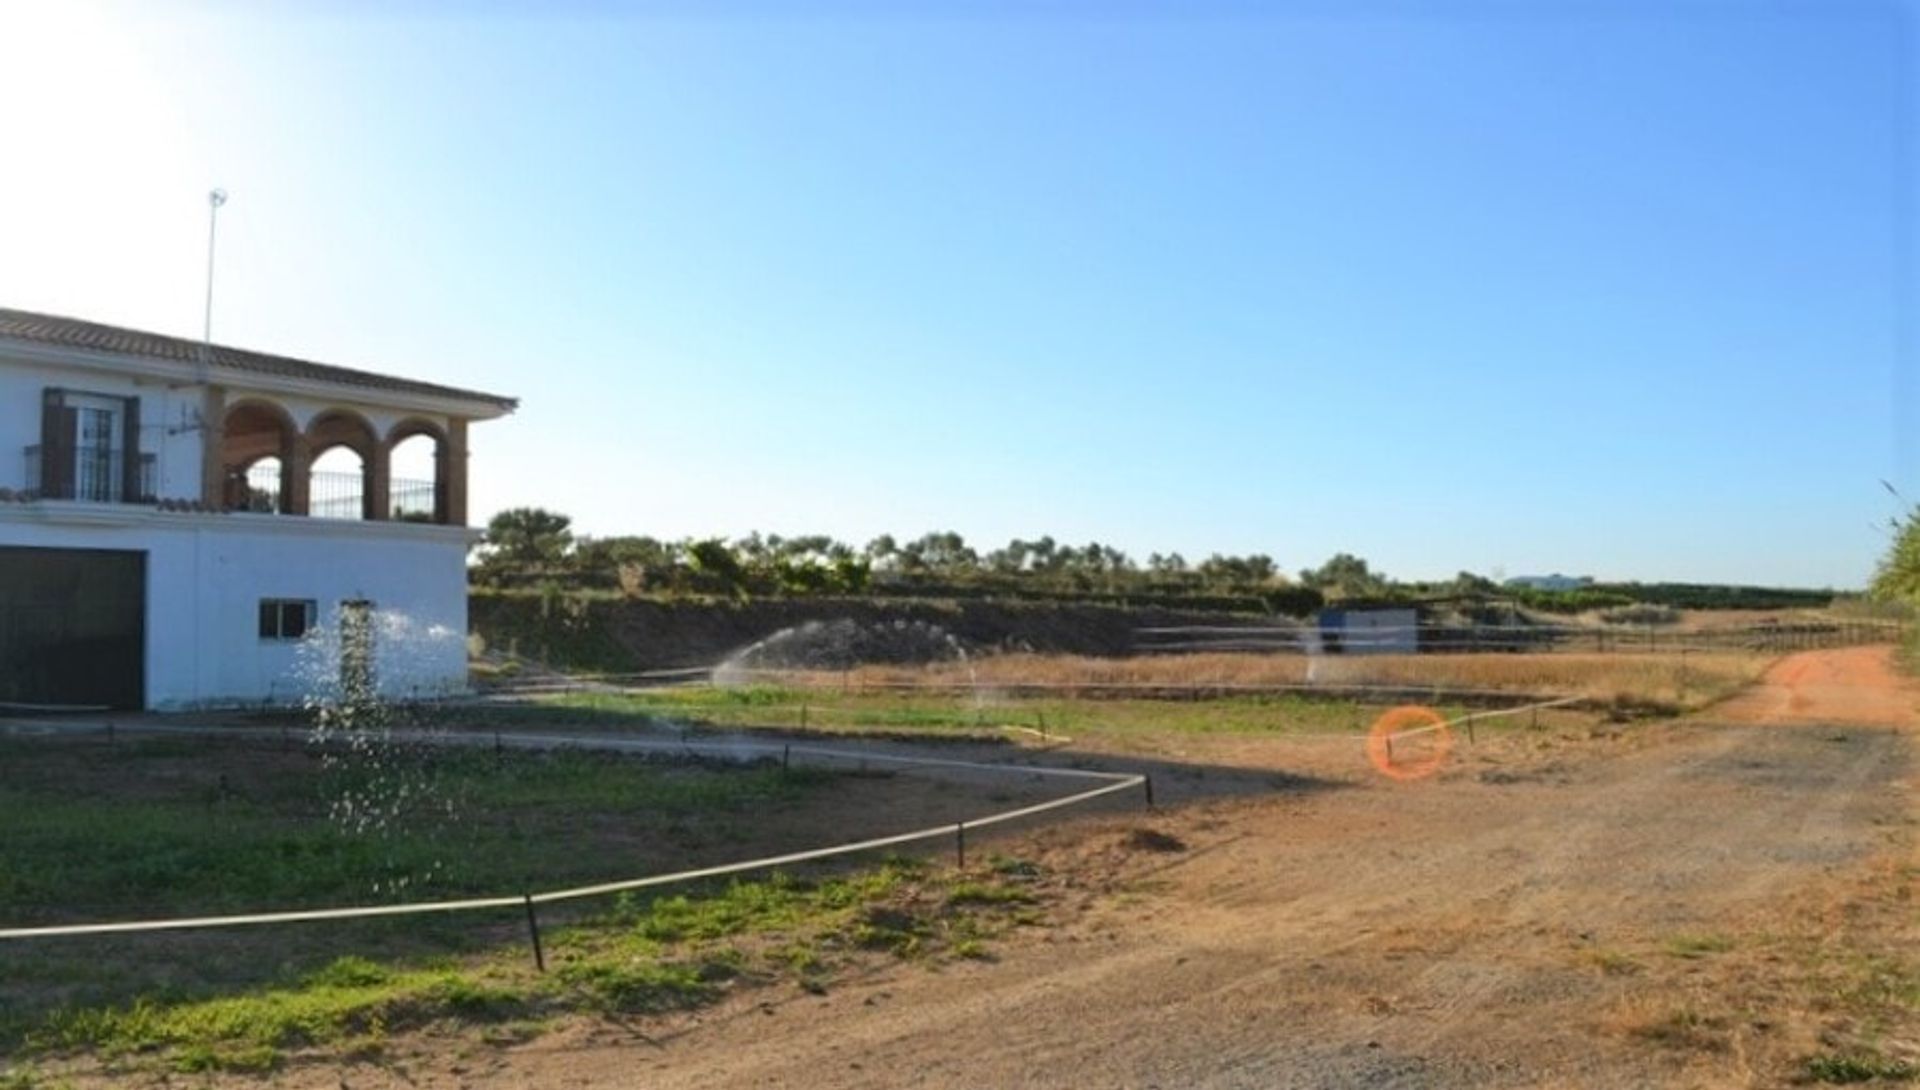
{"type": "Point", "coordinates": [533, 930]}
{"type": "Point", "coordinates": [960, 844]}
{"type": "Point", "coordinates": [1147, 782]}
{"type": "Point", "coordinates": [1469, 725]}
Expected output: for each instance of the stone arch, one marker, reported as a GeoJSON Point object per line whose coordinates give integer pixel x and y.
{"type": "Point", "coordinates": [346, 494]}
{"type": "Point", "coordinates": [253, 429]}
{"type": "Point", "coordinates": [410, 498]}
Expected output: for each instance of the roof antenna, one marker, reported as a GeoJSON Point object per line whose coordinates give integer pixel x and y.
{"type": "Point", "coordinates": [215, 198]}
{"type": "Point", "coordinates": [191, 419]}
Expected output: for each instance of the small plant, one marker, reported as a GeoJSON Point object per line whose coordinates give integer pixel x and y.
{"type": "Point", "coordinates": [980, 893]}
{"type": "Point", "coordinates": [25, 1078]}
{"type": "Point", "coordinates": [1859, 1067]}
{"type": "Point", "coordinates": [349, 972]}
{"type": "Point", "coordinates": [1007, 866]}
{"type": "Point", "coordinates": [1698, 946]}
{"type": "Point", "coordinates": [245, 1059]}
{"type": "Point", "coordinates": [638, 986]}
{"type": "Point", "coordinates": [1684, 1028]}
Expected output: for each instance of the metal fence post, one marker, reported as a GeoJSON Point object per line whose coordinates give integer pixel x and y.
{"type": "Point", "coordinates": [533, 930]}
{"type": "Point", "coordinates": [960, 844]}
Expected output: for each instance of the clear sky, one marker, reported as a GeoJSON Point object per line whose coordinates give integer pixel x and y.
{"type": "Point", "coordinates": [1613, 289]}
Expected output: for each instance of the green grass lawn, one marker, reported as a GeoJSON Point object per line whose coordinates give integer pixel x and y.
{"type": "Point", "coordinates": [934, 713]}
{"type": "Point", "coordinates": [165, 827]}
{"type": "Point", "coordinates": [99, 831]}
{"type": "Point", "coordinates": [638, 956]}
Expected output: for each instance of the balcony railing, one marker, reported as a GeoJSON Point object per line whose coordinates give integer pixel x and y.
{"type": "Point", "coordinates": [343, 496]}
{"type": "Point", "coordinates": [411, 501]}
{"type": "Point", "coordinates": [98, 476]}
{"type": "Point", "coordinates": [336, 495]}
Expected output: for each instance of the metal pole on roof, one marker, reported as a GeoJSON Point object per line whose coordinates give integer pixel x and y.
{"type": "Point", "coordinates": [215, 198]}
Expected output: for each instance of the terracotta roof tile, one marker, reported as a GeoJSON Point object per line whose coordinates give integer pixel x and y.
{"type": "Point", "coordinates": [93, 336]}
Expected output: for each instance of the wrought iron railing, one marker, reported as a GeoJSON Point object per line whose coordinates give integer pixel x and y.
{"type": "Point", "coordinates": [99, 475]}
{"type": "Point", "coordinates": [343, 496]}
{"type": "Point", "coordinates": [412, 501]}
{"type": "Point", "coordinates": [337, 496]}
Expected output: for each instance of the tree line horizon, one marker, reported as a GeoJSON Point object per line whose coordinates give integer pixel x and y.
{"type": "Point", "coordinates": [531, 547]}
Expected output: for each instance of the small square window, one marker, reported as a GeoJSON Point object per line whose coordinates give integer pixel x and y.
{"type": "Point", "coordinates": [285, 618]}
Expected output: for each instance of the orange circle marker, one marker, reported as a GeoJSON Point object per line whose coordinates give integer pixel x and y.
{"type": "Point", "coordinates": [1410, 742]}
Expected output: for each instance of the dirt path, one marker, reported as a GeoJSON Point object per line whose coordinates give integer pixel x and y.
{"type": "Point", "coordinates": [1523, 920]}
{"type": "Point", "coordinates": [1852, 685]}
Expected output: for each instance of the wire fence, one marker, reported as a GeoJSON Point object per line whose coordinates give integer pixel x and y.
{"type": "Point", "coordinates": [1493, 638]}
{"type": "Point", "coordinates": [1469, 719]}
{"type": "Point", "coordinates": [987, 703]}
{"type": "Point", "coordinates": [1108, 783]}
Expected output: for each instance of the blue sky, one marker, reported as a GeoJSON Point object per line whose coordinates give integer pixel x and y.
{"type": "Point", "coordinates": [1608, 289]}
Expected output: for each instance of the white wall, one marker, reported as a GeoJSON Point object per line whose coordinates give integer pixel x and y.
{"type": "Point", "coordinates": [169, 418]}
{"type": "Point", "coordinates": [1380, 632]}
{"type": "Point", "coordinates": [166, 418]}
{"type": "Point", "coordinates": [206, 575]}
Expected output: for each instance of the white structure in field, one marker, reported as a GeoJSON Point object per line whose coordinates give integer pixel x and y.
{"type": "Point", "coordinates": [174, 517]}
{"type": "Point", "coordinates": [1374, 630]}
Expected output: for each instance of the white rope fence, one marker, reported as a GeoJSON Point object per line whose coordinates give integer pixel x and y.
{"type": "Point", "coordinates": [1469, 719]}
{"type": "Point", "coordinates": [1110, 782]}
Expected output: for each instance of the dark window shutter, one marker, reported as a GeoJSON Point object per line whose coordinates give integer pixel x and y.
{"type": "Point", "coordinates": [58, 427]}
{"type": "Point", "coordinates": [130, 490]}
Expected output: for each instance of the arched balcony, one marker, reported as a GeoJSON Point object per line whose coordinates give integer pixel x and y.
{"type": "Point", "coordinates": [417, 460]}
{"type": "Point", "coordinates": [339, 466]}
{"type": "Point", "coordinates": [348, 471]}
{"type": "Point", "coordinates": [259, 459]}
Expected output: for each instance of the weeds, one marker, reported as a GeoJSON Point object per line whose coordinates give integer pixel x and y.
{"type": "Point", "coordinates": [641, 957]}
{"type": "Point", "coordinates": [1859, 1067]}
{"type": "Point", "coordinates": [135, 827]}
{"type": "Point", "coordinates": [1698, 946]}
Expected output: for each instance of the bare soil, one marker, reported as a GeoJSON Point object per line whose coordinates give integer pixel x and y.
{"type": "Point", "coordinates": [1674, 904]}
{"type": "Point", "coordinates": [1852, 685]}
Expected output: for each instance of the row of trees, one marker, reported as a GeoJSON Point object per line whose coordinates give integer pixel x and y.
{"type": "Point", "coordinates": [533, 546]}
{"type": "Point", "coordinates": [528, 547]}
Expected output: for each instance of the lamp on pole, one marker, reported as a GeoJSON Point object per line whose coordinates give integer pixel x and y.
{"type": "Point", "coordinates": [215, 198]}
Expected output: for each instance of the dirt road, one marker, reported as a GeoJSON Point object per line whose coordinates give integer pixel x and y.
{"type": "Point", "coordinates": [1851, 685]}
{"type": "Point", "coordinates": [1596, 911]}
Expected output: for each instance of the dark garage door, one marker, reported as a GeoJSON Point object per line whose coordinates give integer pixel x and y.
{"type": "Point", "coordinates": [72, 627]}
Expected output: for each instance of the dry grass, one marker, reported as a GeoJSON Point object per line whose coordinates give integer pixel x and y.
{"type": "Point", "coordinates": [1687, 681]}
{"type": "Point", "coordinates": [1822, 989]}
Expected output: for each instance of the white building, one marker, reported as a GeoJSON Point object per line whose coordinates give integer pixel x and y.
{"type": "Point", "coordinates": [173, 517]}
{"type": "Point", "coordinates": [1371, 630]}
